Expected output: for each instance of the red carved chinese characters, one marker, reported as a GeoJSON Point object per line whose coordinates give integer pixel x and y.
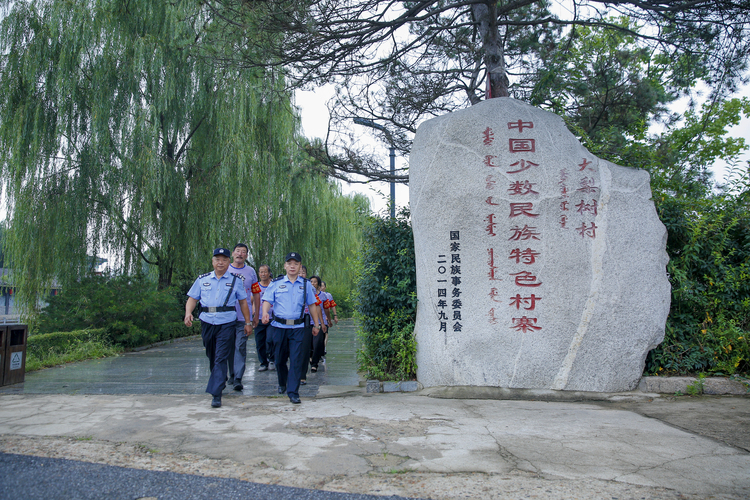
{"type": "Point", "coordinates": [519, 301]}
{"type": "Point", "coordinates": [520, 124]}
{"type": "Point", "coordinates": [522, 145]}
{"type": "Point", "coordinates": [527, 256]}
{"type": "Point", "coordinates": [523, 256]}
{"type": "Point", "coordinates": [518, 209]}
{"type": "Point", "coordinates": [525, 324]}
{"type": "Point", "coordinates": [521, 166]}
{"type": "Point", "coordinates": [522, 188]}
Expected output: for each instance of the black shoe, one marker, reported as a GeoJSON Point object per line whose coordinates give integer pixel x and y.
{"type": "Point", "coordinates": [262, 368]}
{"type": "Point", "coordinates": [238, 385]}
{"type": "Point", "coordinates": [216, 402]}
{"type": "Point", "coordinates": [314, 369]}
{"type": "Point", "coordinates": [294, 399]}
{"type": "Point", "coordinates": [282, 389]}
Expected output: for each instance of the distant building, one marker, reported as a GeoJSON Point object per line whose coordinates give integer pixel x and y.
{"type": "Point", "coordinates": [8, 311]}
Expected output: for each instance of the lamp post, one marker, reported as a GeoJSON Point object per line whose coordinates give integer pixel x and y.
{"type": "Point", "coordinates": [369, 123]}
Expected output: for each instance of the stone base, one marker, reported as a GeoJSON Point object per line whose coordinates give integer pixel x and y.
{"type": "Point", "coordinates": [711, 385]}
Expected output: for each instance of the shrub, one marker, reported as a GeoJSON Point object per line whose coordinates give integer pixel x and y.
{"type": "Point", "coordinates": [38, 344]}
{"type": "Point", "coordinates": [342, 296]}
{"type": "Point", "coordinates": [130, 308]}
{"type": "Point", "coordinates": [385, 299]}
{"type": "Point", "coordinates": [709, 320]}
{"type": "Point", "coordinates": [51, 349]}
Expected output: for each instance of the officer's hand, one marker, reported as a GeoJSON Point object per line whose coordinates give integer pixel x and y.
{"type": "Point", "coordinates": [324, 328]}
{"type": "Point", "coordinates": [248, 330]}
{"type": "Point", "coordinates": [255, 322]}
{"type": "Point", "coordinates": [266, 318]}
{"type": "Point", "coordinates": [188, 320]}
{"type": "Point", "coordinates": [315, 331]}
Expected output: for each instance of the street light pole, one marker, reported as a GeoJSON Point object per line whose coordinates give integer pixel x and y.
{"type": "Point", "coordinates": [369, 123]}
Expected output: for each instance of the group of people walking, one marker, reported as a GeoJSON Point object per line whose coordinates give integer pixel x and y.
{"type": "Point", "coordinates": [289, 316]}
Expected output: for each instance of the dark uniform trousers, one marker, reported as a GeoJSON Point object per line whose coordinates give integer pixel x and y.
{"type": "Point", "coordinates": [217, 340]}
{"type": "Point", "coordinates": [288, 345]}
{"type": "Point", "coordinates": [263, 343]}
{"type": "Point", "coordinates": [307, 341]}
{"type": "Point", "coordinates": [318, 348]}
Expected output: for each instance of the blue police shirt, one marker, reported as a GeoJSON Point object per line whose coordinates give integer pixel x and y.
{"type": "Point", "coordinates": [286, 299]}
{"type": "Point", "coordinates": [211, 291]}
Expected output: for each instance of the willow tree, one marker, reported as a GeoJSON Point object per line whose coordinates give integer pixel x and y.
{"type": "Point", "coordinates": [118, 136]}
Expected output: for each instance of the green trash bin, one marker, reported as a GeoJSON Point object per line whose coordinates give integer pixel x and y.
{"type": "Point", "coordinates": [14, 353]}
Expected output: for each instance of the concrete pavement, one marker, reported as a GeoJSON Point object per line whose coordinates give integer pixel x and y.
{"type": "Point", "coordinates": [400, 444]}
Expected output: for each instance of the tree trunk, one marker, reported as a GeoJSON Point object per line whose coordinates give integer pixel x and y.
{"type": "Point", "coordinates": [165, 276]}
{"type": "Point", "coordinates": [485, 15]}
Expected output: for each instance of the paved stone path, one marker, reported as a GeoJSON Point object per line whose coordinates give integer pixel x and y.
{"type": "Point", "coordinates": [182, 368]}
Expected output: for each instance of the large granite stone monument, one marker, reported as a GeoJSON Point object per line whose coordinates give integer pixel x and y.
{"type": "Point", "coordinates": [538, 264]}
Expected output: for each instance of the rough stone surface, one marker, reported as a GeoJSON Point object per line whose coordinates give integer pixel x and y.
{"type": "Point", "coordinates": [720, 386]}
{"type": "Point", "coordinates": [374, 386]}
{"type": "Point", "coordinates": [403, 386]}
{"type": "Point", "coordinates": [557, 257]}
{"type": "Point", "coordinates": [666, 385]}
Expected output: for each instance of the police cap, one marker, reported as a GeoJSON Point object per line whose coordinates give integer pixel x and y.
{"type": "Point", "coordinates": [222, 251]}
{"type": "Point", "coordinates": [293, 256]}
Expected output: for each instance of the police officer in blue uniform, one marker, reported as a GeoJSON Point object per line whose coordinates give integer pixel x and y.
{"type": "Point", "coordinates": [288, 295]}
{"type": "Point", "coordinates": [217, 292]}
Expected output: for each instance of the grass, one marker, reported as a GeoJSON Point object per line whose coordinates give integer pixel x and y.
{"type": "Point", "coordinates": [75, 352]}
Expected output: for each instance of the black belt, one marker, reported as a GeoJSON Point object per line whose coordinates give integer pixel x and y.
{"type": "Point", "coordinates": [288, 321]}
{"type": "Point", "coordinates": [219, 309]}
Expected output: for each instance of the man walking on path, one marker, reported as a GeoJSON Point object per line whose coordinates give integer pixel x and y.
{"type": "Point", "coordinates": [218, 292]}
{"type": "Point", "coordinates": [238, 349]}
{"type": "Point", "coordinates": [288, 295]}
{"type": "Point", "coordinates": [263, 339]}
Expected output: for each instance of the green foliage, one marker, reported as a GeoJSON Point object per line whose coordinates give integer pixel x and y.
{"type": "Point", "coordinates": [385, 299]}
{"type": "Point", "coordinates": [130, 309]}
{"type": "Point", "coordinates": [709, 322]}
{"type": "Point", "coordinates": [51, 349]}
{"type": "Point", "coordinates": [696, 388]}
{"type": "Point", "coordinates": [341, 294]}
{"type": "Point", "coordinates": [40, 343]}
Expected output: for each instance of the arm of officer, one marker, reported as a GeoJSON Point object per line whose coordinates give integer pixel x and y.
{"type": "Point", "coordinates": [189, 307]}
{"type": "Point", "coordinates": [266, 309]}
{"type": "Point", "coordinates": [246, 314]}
{"type": "Point", "coordinates": [317, 319]}
{"type": "Point", "coordinates": [256, 309]}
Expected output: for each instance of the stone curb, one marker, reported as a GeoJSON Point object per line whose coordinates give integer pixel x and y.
{"type": "Point", "coordinates": [710, 385]}
{"type": "Point", "coordinates": [649, 388]}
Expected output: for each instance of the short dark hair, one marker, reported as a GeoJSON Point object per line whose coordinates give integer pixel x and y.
{"type": "Point", "coordinates": [238, 245]}
{"type": "Point", "coordinates": [266, 266]}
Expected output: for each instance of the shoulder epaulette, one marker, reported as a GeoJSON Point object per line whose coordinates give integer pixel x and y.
{"type": "Point", "coordinates": [203, 275]}
{"type": "Point", "coordinates": [279, 278]}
